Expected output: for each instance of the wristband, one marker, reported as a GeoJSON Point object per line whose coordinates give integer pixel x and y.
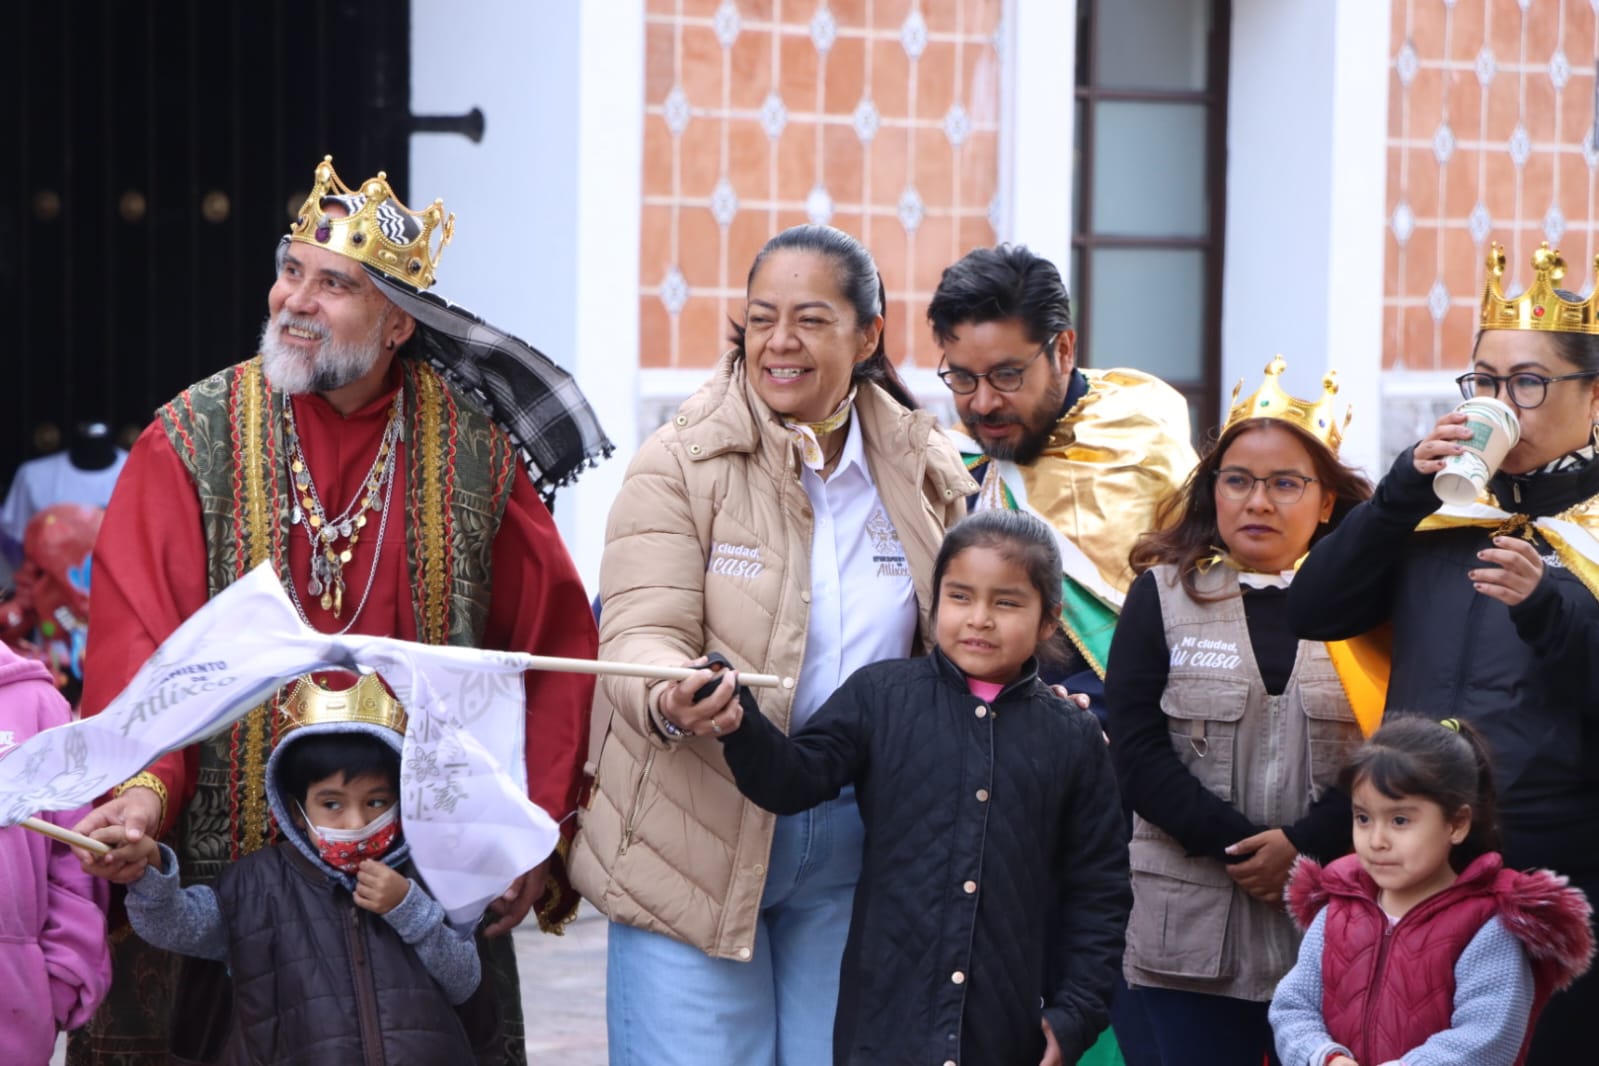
{"type": "Point", "coordinates": [668, 729]}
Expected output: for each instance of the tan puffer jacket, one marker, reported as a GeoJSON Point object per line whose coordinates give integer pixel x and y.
{"type": "Point", "coordinates": [707, 549]}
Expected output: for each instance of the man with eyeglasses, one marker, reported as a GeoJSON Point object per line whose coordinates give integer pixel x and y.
{"type": "Point", "coordinates": [1091, 452]}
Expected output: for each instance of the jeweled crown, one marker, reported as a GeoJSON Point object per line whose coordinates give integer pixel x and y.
{"type": "Point", "coordinates": [1540, 306]}
{"type": "Point", "coordinates": [1314, 417]}
{"type": "Point", "coordinates": [310, 703]}
{"type": "Point", "coordinates": [379, 230]}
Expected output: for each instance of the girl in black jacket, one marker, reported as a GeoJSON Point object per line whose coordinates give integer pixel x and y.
{"type": "Point", "coordinates": [988, 920]}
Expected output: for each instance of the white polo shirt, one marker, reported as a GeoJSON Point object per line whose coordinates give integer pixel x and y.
{"type": "Point", "coordinates": [863, 602]}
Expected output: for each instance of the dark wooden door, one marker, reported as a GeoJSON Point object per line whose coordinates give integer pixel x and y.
{"type": "Point", "coordinates": [158, 149]}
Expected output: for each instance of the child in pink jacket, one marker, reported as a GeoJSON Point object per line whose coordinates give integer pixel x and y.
{"type": "Point", "coordinates": [54, 963]}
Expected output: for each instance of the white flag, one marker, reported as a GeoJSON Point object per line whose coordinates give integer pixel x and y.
{"type": "Point", "coordinates": [466, 814]}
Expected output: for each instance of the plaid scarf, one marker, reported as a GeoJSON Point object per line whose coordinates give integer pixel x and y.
{"type": "Point", "coordinates": [522, 390]}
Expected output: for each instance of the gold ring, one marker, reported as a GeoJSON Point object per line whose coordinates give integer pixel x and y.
{"type": "Point", "coordinates": [715, 728]}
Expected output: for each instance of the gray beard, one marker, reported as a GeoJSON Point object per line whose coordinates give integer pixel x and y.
{"type": "Point", "coordinates": [334, 366]}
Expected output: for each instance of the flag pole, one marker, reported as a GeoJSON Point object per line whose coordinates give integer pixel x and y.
{"type": "Point", "coordinates": [66, 836]}
{"type": "Point", "coordinates": [658, 673]}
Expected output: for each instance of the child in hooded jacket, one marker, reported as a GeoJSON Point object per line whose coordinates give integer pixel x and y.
{"type": "Point", "coordinates": [335, 953]}
{"type": "Point", "coordinates": [1421, 948]}
{"type": "Point", "coordinates": [55, 966]}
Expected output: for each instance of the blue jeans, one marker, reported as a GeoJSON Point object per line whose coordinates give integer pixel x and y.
{"type": "Point", "coordinates": [669, 1004]}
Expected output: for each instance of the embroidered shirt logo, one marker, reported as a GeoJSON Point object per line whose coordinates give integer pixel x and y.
{"type": "Point", "coordinates": [1215, 654]}
{"type": "Point", "coordinates": [888, 554]}
{"type": "Point", "coordinates": [735, 560]}
{"type": "Point", "coordinates": [8, 739]}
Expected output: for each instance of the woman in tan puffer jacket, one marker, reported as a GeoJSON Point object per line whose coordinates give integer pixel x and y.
{"type": "Point", "coordinates": [787, 517]}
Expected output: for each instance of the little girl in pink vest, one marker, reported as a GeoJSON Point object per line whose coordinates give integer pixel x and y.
{"type": "Point", "coordinates": [1421, 948]}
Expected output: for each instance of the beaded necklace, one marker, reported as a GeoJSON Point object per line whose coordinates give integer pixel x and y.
{"type": "Point", "coordinates": [323, 533]}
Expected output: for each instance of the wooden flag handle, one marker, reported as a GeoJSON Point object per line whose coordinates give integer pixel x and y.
{"type": "Point", "coordinates": [659, 673]}
{"type": "Point", "coordinates": [66, 836]}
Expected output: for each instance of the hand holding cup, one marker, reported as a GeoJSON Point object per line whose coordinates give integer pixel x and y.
{"type": "Point", "coordinates": [1486, 431]}
{"type": "Point", "coordinates": [1443, 442]}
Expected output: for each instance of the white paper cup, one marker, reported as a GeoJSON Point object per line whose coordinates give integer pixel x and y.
{"type": "Point", "coordinates": [1494, 431]}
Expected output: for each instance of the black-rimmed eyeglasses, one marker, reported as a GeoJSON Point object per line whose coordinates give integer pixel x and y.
{"type": "Point", "coordinates": [1003, 379]}
{"type": "Point", "coordinates": [1525, 389]}
{"type": "Point", "coordinates": [1282, 489]}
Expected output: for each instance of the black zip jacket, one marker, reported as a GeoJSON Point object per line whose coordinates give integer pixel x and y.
{"type": "Point", "coordinates": [995, 873]}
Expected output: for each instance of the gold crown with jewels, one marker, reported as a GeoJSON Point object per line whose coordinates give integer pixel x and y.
{"type": "Point", "coordinates": [1312, 417]}
{"type": "Point", "coordinates": [310, 703]}
{"type": "Point", "coordinates": [382, 232]}
{"type": "Point", "coordinates": [1540, 306]}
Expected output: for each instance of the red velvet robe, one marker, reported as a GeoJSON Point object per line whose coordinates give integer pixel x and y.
{"type": "Point", "coordinates": [149, 574]}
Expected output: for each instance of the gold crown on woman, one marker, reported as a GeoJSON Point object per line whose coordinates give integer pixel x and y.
{"type": "Point", "coordinates": [368, 701]}
{"type": "Point", "coordinates": [1540, 306]}
{"type": "Point", "coordinates": [379, 230]}
{"type": "Point", "coordinates": [1313, 417]}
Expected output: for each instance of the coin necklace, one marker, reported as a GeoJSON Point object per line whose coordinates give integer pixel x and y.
{"type": "Point", "coordinates": [323, 533]}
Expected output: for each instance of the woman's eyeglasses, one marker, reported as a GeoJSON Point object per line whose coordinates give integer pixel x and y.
{"type": "Point", "coordinates": [1526, 389]}
{"type": "Point", "coordinates": [1281, 489]}
{"type": "Point", "coordinates": [1003, 379]}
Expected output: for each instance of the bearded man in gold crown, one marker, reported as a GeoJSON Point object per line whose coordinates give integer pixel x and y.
{"type": "Point", "coordinates": [1491, 601]}
{"type": "Point", "coordinates": [1091, 452]}
{"type": "Point", "coordinates": [371, 453]}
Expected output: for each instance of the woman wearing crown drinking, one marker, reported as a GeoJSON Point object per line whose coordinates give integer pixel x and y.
{"type": "Point", "coordinates": [1226, 731]}
{"type": "Point", "coordinates": [1491, 602]}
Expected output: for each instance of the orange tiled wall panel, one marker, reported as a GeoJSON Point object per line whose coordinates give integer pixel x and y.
{"type": "Point", "coordinates": [875, 116]}
{"type": "Point", "coordinates": [1490, 137]}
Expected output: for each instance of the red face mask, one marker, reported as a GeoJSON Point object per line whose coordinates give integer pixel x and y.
{"type": "Point", "coordinates": [346, 849]}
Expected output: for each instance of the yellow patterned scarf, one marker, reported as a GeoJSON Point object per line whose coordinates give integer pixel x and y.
{"type": "Point", "coordinates": [808, 435]}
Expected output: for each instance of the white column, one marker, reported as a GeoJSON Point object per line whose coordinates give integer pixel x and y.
{"type": "Point", "coordinates": [1038, 129]}
{"type": "Point", "coordinates": [512, 193]}
{"type": "Point", "coordinates": [1360, 43]}
{"type": "Point", "coordinates": [547, 205]}
{"type": "Point", "coordinates": [610, 165]}
{"type": "Point", "coordinates": [1306, 173]}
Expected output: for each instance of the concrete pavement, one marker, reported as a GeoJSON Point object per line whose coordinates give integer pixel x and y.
{"type": "Point", "coordinates": [563, 993]}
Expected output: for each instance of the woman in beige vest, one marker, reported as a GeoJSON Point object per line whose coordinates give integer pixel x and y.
{"type": "Point", "coordinates": [787, 517]}
{"type": "Point", "coordinates": [1226, 731]}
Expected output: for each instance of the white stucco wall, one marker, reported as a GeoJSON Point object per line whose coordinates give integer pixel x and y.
{"type": "Point", "coordinates": [1039, 127]}
{"type": "Point", "coordinates": [1306, 173]}
{"type": "Point", "coordinates": [547, 204]}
